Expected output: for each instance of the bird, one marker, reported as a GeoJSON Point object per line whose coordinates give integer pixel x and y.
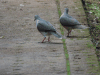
{"type": "Point", "coordinates": [46, 28]}
{"type": "Point", "coordinates": [69, 23]}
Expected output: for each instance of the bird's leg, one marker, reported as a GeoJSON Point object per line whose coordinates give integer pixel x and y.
{"type": "Point", "coordinates": [49, 39]}
{"type": "Point", "coordinates": [43, 39]}
{"type": "Point", "coordinates": [69, 32]}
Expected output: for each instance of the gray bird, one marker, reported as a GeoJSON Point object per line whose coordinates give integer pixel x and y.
{"type": "Point", "coordinates": [69, 23]}
{"type": "Point", "coordinates": [46, 28]}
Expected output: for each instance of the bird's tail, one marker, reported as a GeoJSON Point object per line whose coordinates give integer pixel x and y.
{"type": "Point", "coordinates": [58, 35]}
{"type": "Point", "coordinates": [82, 27]}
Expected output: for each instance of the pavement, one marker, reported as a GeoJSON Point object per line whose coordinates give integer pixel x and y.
{"type": "Point", "coordinates": [21, 50]}
{"type": "Point", "coordinates": [82, 57]}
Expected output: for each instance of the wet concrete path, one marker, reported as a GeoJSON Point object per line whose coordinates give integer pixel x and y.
{"type": "Point", "coordinates": [20, 50]}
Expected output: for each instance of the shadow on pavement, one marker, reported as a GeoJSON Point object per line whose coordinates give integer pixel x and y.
{"type": "Point", "coordinates": [46, 42]}
{"type": "Point", "coordinates": [78, 36]}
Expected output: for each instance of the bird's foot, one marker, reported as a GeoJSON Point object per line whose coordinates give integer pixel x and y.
{"type": "Point", "coordinates": [42, 42]}
{"type": "Point", "coordinates": [68, 36]}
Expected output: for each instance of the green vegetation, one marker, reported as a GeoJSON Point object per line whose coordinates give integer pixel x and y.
{"type": "Point", "coordinates": [95, 10]}
{"type": "Point", "coordinates": [58, 7]}
{"type": "Point", "coordinates": [90, 45]}
{"type": "Point", "coordinates": [93, 15]}
{"type": "Point", "coordinates": [63, 40]}
{"type": "Point", "coordinates": [67, 57]}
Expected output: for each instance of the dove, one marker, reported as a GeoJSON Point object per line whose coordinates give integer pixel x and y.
{"type": "Point", "coordinates": [69, 23]}
{"type": "Point", "coordinates": [46, 28]}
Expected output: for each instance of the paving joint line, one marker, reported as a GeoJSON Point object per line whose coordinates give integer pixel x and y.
{"type": "Point", "coordinates": [63, 40]}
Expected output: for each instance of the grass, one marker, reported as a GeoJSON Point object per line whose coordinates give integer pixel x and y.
{"type": "Point", "coordinates": [90, 45]}
{"type": "Point", "coordinates": [93, 7]}
{"type": "Point", "coordinates": [63, 40]}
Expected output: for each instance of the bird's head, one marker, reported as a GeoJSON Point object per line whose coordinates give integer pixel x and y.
{"type": "Point", "coordinates": [36, 17]}
{"type": "Point", "coordinates": [66, 10]}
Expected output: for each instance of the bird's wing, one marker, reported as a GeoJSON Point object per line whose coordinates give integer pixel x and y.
{"type": "Point", "coordinates": [73, 20]}
{"type": "Point", "coordinates": [69, 16]}
{"type": "Point", "coordinates": [68, 20]}
{"type": "Point", "coordinates": [50, 24]}
{"type": "Point", "coordinates": [44, 26]}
